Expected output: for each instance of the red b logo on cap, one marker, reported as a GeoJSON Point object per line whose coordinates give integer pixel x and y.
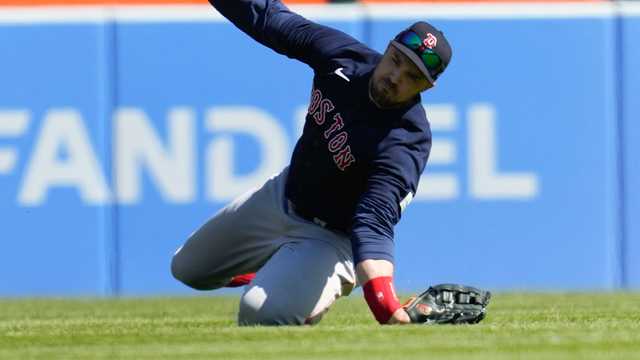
{"type": "Point", "coordinates": [430, 41]}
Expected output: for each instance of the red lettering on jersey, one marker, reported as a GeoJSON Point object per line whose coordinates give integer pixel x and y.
{"type": "Point", "coordinates": [316, 96]}
{"type": "Point", "coordinates": [318, 110]}
{"type": "Point", "coordinates": [338, 141]}
{"type": "Point", "coordinates": [344, 158]}
{"type": "Point", "coordinates": [325, 106]}
{"type": "Point", "coordinates": [337, 125]}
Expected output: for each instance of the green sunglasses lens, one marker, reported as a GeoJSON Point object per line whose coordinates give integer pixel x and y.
{"type": "Point", "coordinates": [411, 40]}
{"type": "Point", "coordinates": [431, 60]}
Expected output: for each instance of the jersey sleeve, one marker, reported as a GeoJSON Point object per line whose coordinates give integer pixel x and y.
{"type": "Point", "coordinates": [272, 24]}
{"type": "Point", "coordinates": [391, 184]}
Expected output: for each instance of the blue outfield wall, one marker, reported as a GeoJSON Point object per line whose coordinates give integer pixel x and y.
{"type": "Point", "coordinates": [630, 134]}
{"type": "Point", "coordinates": [54, 217]}
{"type": "Point", "coordinates": [118, 139]}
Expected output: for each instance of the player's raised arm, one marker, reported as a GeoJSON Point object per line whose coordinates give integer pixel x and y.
{"type": "Point", "coordinates": [272, 24]}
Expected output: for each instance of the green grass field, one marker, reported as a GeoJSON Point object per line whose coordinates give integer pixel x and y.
{"type": "Point", "coordinates": [518, 326]}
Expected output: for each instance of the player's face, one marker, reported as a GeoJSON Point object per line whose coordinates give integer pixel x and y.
{"type": "Point", "coordinates": [396, 80]}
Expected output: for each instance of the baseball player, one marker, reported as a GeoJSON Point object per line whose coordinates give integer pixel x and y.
{"type": "Point", "coordinates": [310, 234]}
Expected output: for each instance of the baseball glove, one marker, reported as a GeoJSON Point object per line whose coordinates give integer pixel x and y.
{"type": "Point", "coordinates": [448, 304]}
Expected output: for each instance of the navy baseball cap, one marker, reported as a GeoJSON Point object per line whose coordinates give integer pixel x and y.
{"type": "Point", "coordinates": [427, 47]}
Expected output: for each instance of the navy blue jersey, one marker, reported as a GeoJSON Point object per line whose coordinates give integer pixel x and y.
{"type": "Point", "coordinates": [355, 165]}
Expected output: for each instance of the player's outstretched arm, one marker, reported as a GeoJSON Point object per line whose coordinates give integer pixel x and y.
{"type": "Point", "coordinates": [391, 183]}
{"type": "Point", "coordinates": [272, 24]}
{"type": "Point", "coordinates": [377, 275]}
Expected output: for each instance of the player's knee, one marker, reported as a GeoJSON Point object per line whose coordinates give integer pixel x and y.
{"type": "Point", "coordinates": [180, 270]}
{"type": "Point", "coordinates": [183, 272]}
{"type": "Point", "coordinates": [256, 308]}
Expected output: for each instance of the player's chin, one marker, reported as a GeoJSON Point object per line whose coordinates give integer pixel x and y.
{"type": "Point", "coordinates": [383, 98]}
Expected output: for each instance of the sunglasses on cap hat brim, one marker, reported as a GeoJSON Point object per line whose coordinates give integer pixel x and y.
{"type": "Point", "coordinates": [429, 63]}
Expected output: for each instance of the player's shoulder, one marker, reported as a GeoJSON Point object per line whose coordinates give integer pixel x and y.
{"type": "Point", "coordinates": [415, 116]}
{"type": "Point", "coordinates": [412, 131]}
{"type": "Point", "coordinates": [409, 132]}
{"type": "Point", "coordinates": [351, 62]}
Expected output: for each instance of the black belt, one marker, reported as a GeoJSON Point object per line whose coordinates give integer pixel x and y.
{"type": "Point", "coordinates": [292, 208]}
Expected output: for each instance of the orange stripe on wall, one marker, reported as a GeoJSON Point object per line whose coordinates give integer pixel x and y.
{"type": "Point", "coordinates": [479, 1]}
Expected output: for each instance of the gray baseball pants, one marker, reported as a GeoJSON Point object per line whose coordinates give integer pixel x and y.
{"type": "Point", "coordinates": [301, 268]}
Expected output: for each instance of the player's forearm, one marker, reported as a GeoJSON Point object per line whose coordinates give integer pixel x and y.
{"type": "Point", "coordinates": [273, 25]}
{"type": "Point", "coordinates": [247, 15]}
{"type": "Point", "coordinates": [368, 270]}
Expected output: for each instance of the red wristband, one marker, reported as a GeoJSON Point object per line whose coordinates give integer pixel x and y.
{"type": "Point", "coordinates": [381, 298]}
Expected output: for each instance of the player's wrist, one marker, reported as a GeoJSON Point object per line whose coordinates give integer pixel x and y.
{"type": "Point", "coordinates": [382, 299]}
{"type": "Point", "coordinates": [399, 317]}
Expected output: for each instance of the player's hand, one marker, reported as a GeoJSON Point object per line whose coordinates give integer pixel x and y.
{"type": "Point", "coordinates": [399, 317]}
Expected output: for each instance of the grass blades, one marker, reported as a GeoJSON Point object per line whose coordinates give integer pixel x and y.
{"type": "Point", "coordinates": [518, 326]}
